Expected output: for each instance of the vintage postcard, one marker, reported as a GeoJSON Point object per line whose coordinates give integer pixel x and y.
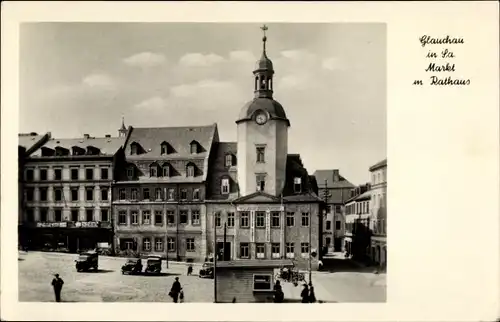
{"type": "Point", "coordinates": [177, 159]}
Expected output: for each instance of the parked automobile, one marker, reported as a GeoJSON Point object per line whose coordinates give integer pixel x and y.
{"type": "Point", "coordinates": [153, 265]}
{"type": "Point", "coordinates": [207, 270]}
{"type": "Point", "coordinates": [87, 261]}
{"type": "Point", "coordinates": [132, 266]}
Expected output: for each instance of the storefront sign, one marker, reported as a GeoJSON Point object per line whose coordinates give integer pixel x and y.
{"type": "Point", "coordinates": [87, 224]}
{"type": "Point", "coordinates": [51, 224]}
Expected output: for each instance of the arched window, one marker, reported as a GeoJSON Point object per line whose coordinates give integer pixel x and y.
{"type": "Point", "coordinates": [194, 147]}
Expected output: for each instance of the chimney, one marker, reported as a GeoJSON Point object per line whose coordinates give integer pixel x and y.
{"type": "Point", "coordinates": [86, 136]}
{"type": "Point", "coordinates": [108, 135]}
{"type": "Point", "coordinates": [336, 177]}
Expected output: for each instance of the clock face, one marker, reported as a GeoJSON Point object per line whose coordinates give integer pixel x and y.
{"type": "Point", "coordinates": [261, 118]}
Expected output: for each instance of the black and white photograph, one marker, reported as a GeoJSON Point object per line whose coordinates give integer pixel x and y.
{"type": "Point", "coordinates": [202, 162]}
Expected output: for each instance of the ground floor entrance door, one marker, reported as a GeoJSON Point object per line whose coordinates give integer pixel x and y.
{"type": "Point", "coordinates": [338, 244]}
{"type": "Point", "coordinates": [224, 253]}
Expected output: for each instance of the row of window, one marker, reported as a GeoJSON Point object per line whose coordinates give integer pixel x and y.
{"type": "Point", "coordinates": [358, 226]}
{"type": "Point", "coordinates": [165, 170]}
{"type": "Point", "coordinates": [156, 244]}
{"type": "Point", "coordinates": [59, 194]}
{"type": "Point", "coordinates": [260, 250]}
{"type": "Point", "coordinates": [328, 225]}
{"type": "Point", "coordinates": [362, 207]}
{"type": "Point", "coordinates": [159, 194]}
{"type": "Point", "coordinates": [379, 177]}
{"type": "Point", "coordinates": [380, 227]}
{"type": "Point", "coordinates": [260, 219]}
{"type": "Point", "coordinates": [74, 174]}
{"type": "Point", "coordinates": [338, 209]}
{"type": "Point", "coordinates": [58, 217]}
{"type": "Point", "coordinates": [166, 148]}
{"type": "Point", "coordinates": [147, 218]}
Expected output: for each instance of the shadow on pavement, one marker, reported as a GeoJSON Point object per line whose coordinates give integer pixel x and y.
{"type": "Point", "coordinates": [98, 271]}
{"type": "Point", "coordinates": [333, 265]}
{"type": "Point", "coordinates": [161, 274]}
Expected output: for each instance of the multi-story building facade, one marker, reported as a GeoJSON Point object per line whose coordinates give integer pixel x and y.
{"type": "Point", "coordinates": [335, 190]}
{"type": "Point", "coordinates": [67, 191]}
{"type": "Point", "coordinates": [28, 143]}
{"type": "Point", "coordinates": [159, 192]}
{"type": "Point", "coordinates": [357, 222]}
{"type": "Point", "coordinates": [182, 193]}
{"type": "Point", "coordinates": [379, 213]}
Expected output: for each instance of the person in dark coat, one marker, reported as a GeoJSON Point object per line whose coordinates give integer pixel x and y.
{"type": "Point", "coordinates": [190, 269]}
{"type": "Point", "coordinates": [305, 294]}
{"type": "Point", "coordinates": [278, 292]}
{"type": "Point", "coordinates": [175, 290]}
{"type": "Point", "coordinates": [312, 296]}
{"type": "Point", "coordinates": [57, 284]}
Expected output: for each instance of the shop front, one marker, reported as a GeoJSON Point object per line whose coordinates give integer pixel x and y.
{"type": "Point", "coordinates": [69, 237]}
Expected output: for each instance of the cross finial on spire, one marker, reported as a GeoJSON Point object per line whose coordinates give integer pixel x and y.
{"type": "Point", "coordinates": [264, 39]}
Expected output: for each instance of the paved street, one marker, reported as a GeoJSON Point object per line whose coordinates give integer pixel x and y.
{"type": "Point", "coordinates": [344, 282]}
{"type": "Point", "coordinates": [106, 285]}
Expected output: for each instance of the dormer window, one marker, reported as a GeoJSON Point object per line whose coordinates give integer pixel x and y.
{"type": "Point", "coordinates": [92, 150]}
{"type": "Point", "coordinates": [135, 148]}
{"type": "Point", "coordinates": [60, 151]}
{"type": "Point", "coordinates": [194, 147]}
{"type": "Point", "coordinates": [78, 150]}
{"type": "Point", "coordinates": [130, 173]}
{"type": "Point", "coordinates": [166, 148]}
{"type": "Point", "coordinates": [297, 184]}
{"type": "Point", "coordinates": [166, 170]}
{"type": "Point", "coordinates": [153, 170]}
{"type": "Point", "coordinates": [225, 186]}
{"type": "Point", "coordinates": [229, 160]}
{"type": "Point", "coordinates": [190, 170]}
{"type": "Point", "coordinates": [47, 152]}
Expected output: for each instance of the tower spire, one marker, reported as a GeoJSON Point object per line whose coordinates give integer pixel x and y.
{"type": "Point", "coordinates": [264, 72]}
{"type": "Point", "coordinates": [123, 130]}
{"type": "Point", "coordinates": [264, 39]}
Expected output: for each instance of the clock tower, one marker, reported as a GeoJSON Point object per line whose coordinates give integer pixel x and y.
{"type": "Point", "coordinates": [262, 135]}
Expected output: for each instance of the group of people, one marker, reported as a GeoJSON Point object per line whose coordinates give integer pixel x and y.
{"type": "Point", "coordinates": [307, 294]}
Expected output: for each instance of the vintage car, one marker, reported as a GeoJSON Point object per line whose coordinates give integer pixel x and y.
{"type": "Point", "coordinates": [207, 270]}
{"type": "Point", "coordinates": [132, 266]}
{"type": "Point", "coordinates": [153, 265]}
{"type": "Point", "coordinates": [87, 261]}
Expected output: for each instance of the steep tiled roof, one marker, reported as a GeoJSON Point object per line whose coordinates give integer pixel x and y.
{"type": "Point", "coordinates": [380, 164]}
{"type": "Point", "coordinates": [322, 175]}
{"type": "Point", "coordinates": [179, 138]}
{"type": "Point", "coordinates": [295, 168]}
{"type": "Point", "coordinates": [28, 140]}
{"type": "Point", "coordinates": [107, 146]}
{"type": "Point", "coordinates": [218, 170]}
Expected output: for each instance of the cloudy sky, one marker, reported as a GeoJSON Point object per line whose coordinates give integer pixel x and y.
{"type": "Point", "coordinates": [80, 78]}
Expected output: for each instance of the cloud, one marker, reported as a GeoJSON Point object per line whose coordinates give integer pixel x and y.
{"type": "Point", "coordinates": [298, 55]}
{"type": "Point", "coordinates": [153, 103]}
{"type": "Point", "coordinates": [200, 60]}
{"type": "Point", "coordinates": [332, 63]}
{"type": "Point", "coordinates": [98, 81]}
{"type": "Point", "coordinates": [295, 81]}
{"type": "Point", "coordinates": [242, 55]}
{"type": "Point", "coordinates": [145, 59]}
{"type": "Point", "coordinates": [201, 88]}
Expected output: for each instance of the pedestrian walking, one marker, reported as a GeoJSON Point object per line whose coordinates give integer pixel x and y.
{"type": "Point", "coordinates": [305, 294]}
{"type": "Point", "coordinates": [57, 284]}
{"type": "Point", "coordinates": [190, 269]}
{"type": "Point", "coordinates": [175, 290]}
{"type": "Point", "coordinates": [320, 265]}
{"type": "Point", "coordinates": [312, 296]}
{"type": "Point", "coordinates": [278, 292]}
